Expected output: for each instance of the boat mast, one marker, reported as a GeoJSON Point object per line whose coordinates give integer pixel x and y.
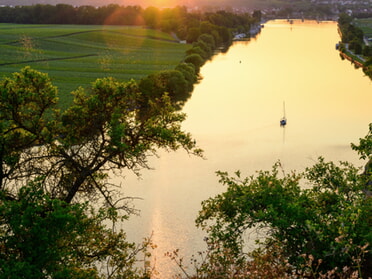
{"type": "Point", "coordinates": [283, 121]}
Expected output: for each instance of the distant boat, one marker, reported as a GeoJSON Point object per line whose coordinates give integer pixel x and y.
{"type": "Point", "coordinates": [283, 121]}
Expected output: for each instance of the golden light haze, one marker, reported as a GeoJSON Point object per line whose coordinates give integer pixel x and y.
{"type": "Point", "coordinates": [147, 3]}
{"type": "Point", "coordinates": [173, 3]}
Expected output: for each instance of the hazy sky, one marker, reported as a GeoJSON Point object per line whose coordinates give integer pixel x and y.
{"type": "Point", "coordinates": [144, 3]}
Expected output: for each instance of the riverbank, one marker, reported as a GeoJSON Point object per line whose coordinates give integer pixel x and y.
{"type": "Point", "coordinates": [357, 60]}
{"type": "Point", "coordinates": [353, 45]}
{"type": "Point", "coordinates": [352, 60]}
{"type": "Point", "coordinates": [348, 54]}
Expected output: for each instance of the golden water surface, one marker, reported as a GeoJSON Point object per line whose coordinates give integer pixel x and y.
{"type": "Point", "coordinates": [234, 115]}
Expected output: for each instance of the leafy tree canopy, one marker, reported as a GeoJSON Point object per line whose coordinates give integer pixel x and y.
{"type": "Point", "coordinates": [322, 214]}
{"type": "Point", "coordinates": [42, 237]}
{"type": "Point", "coordinates": [54, 167]}
{"type": "Point", "coordinates": [109, 126]}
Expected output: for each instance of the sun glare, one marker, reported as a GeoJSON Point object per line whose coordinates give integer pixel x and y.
{"type": "Point", "coordinates": [162, 3]}
{"type": "Point", "coordinates": [155, 3]}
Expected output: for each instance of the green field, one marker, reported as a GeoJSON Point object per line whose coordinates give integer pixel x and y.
{"type": "Point", "coordinates": [366, 25]}
{"type": "Point", "coordinates": [76, 55]}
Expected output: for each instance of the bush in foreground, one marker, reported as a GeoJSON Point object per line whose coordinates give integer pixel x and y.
{"type": "Point", "coordinates": [315, 224]}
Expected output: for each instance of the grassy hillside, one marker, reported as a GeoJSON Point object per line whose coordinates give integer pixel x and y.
{"type": "Point", "coordinates": [77, 55]}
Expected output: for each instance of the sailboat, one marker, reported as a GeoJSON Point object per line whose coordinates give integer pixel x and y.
{"type": "Point", "coordinates": [283, 121]}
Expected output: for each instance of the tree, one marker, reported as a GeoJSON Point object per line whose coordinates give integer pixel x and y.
{"type": "Point", "coordinates": [196, 60]}
{"type": "Point", "coordinates": [206, 27]}
{"type": "Point", "coordinates": [188, 71]}
{"type": "Point", "coordinates": [207, 49]}
{"type": "Point", "coordinates": [356, 46]}
{"type": "Point", "coordinates": [151, 16]}
{"type": "Point", "coordinates": [64, 14]}
{"type": "Point", "coordinates": [225, 34]}
{"type": "Point", "coordinates": [109, 127]}
{"type": "Point", "coordinates": [208, 39]}
{"type": "Point", "coordinates": [328, 221]}
{"type": "Point", "coordinates": [42, 237]}
{"type": "Point", "coordinates": [364, 149]}
{"type": "Point", "coordinates": [344, 19]}
{"type": "Point", "coordinates": [54, 165]}
{"type": "Point", "coordinates": [26, 100]}
{"type": "Point", "coordinates": [171, 82]}
{"type": "Point", "coordinates": [367, 51]}
{"type": "Point", "coordinates": [257, 15]}
{"type": "Point", "coordinates": [86, 15]}
{"type": "Point", "coordinates": [196, 49]}
{"type": "Point", "coordinates": [193, 34]}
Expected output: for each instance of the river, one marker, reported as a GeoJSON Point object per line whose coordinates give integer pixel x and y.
{"type": "Point", "coordinates": [234, 115]}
